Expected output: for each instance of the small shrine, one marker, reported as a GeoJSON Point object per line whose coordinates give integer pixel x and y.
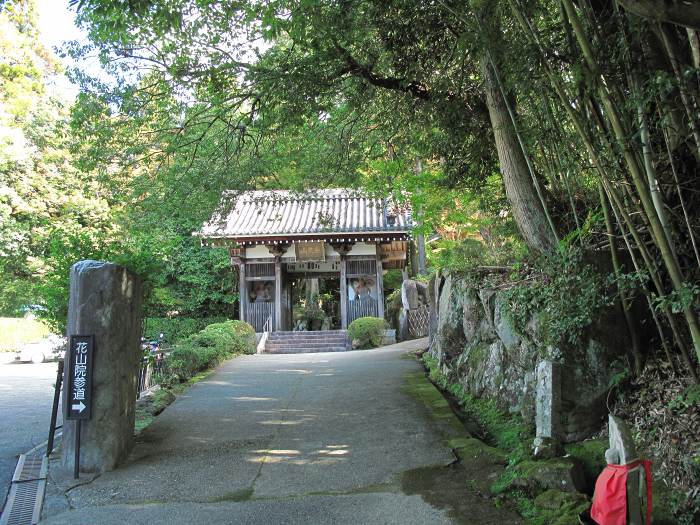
{"type": "Point", "coordinates": [283, 241]}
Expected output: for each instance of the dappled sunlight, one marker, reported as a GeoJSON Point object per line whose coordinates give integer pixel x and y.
{"type": "Point", "coordinates": [276, 411]}
{"type": "Point", "coordinates": [251, 398]}
{"type": "Point", "coordinates": [288, 422]}
{"type": "Point", "coordinates": [200, 440]}
{"type": "Point", "coordinates": [278, 452]}
{"type": "Point", "coordinates": [328, 455]}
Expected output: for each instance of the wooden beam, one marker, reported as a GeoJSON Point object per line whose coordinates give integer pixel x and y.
{"type": "Point", "coordinates": [242, 291]}
{"type": "Point", "coordinates": [278, 294]}
{"type": "Point", "coordinates": [380, 287]}
{"type": "Point", "coordinates": [343, 292]}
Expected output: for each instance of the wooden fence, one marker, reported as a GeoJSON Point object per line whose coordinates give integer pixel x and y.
{"type": "Point", "coordinates": [365, 307]}
{"type": "Point", "coordinates": [257, 313]}
{"type": "Point", "coordinates": [418, 321]}
{"type": "Point", "coordinates": [149, 368]}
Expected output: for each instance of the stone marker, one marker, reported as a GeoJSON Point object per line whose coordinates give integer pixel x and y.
{"type": "Point", "coordinates": [409, 295]}
{"type": "Point", "coordinates": [105, 301]}
{"type": "Point", "coordinates": [622, 451]}
{"type": "Point", "coordinates": [547, 410]}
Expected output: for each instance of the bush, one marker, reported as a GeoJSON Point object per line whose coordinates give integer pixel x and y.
{"type": "Point", "coordinates": [176, 329]}
{"type": "Point", "coordinates": [367, 332]}
{"type": "Point", "coordinates": [207, 348]}
{"type": "Point", "coordinates": [230, 337]}
{"type": "Point", "coordinates": [184, 361]}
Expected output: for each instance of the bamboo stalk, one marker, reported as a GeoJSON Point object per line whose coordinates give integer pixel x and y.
{"type": "Point", "coordinates": [680, 193]}
{"type": "Point", "coordinates": [658, 233]}
{"type": "Point", "coordinates": [685, 97]}
{"type": "Point", "coordinates": [580, 128]}
{"type": "Point", "coordinates": [624, 302]}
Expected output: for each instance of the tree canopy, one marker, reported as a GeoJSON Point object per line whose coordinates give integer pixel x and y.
{"type": "Point", "coordinates": [532, 126]}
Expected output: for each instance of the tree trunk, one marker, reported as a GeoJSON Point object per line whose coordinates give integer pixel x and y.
{"type": "Point", "coordinates": [680, 12]}
{"type": "Point", "coordinates": [527, 210]}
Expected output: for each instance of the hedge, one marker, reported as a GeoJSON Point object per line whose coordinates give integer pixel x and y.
{"type": "Point", "coordinates": [367, 332]}
{"type": "Point", "coordinates": [207, 348]}
{"type": "Point", "coordinates": [176, 329]}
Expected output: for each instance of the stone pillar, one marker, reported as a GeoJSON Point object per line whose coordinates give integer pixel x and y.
{"type": "Point", "coordinates": [623, 451]}
{"type": "Point", "coordinates": [105, 301]}
{"type": "Point", "coordinates": [548, 410]}
{"type": "Point", "coordinates": [343, 292]}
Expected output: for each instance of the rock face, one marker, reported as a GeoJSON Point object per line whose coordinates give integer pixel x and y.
{"type": "Point", "coordinates": [475, 341]}
{"type": "Point", "coordinates": [105, 301]}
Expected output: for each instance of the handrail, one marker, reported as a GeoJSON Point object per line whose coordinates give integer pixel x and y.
{"type": "Point", "coordinates": [266, 331]}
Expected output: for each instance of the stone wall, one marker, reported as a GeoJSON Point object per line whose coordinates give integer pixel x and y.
{"type": "Point", "coordinates": [477, 345]}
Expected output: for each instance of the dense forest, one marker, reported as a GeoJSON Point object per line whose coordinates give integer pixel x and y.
{"type": "Point", "coordinates": [556, 140]}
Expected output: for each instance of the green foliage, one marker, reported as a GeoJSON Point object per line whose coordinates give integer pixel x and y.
{"type": "Point", "coordinates": [392, 281]}
{"type": "Point", "coordinates": [207, 348]}
{"type": "Point", "coordinates": [229, 337]}
{"type": "Point", "coordinates": [507, 431]}
{"type": "Point", "coordinates": [678, 300]}
{"type": "Point", "coordinates": [312, 311]}
{"type": "Point", "coordinates": [689, 398]}
{"type": "Point", "coordinates": [467, 255]}
{"type": "Point", "coordinates": [15, 331]}
{"type": "Point", "coordinates": [367, 331]}
{"type": "Point", "coordinates": [567, 295]}
{"type": "Point", "coordinates": [177, 328]}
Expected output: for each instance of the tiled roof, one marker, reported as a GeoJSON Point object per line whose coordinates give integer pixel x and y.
{"type": "Point", "coordinates": [256, 214]}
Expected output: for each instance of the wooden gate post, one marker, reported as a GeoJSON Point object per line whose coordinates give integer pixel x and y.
{"type": "Point", "coordinates": [242, 290]}
{"type": "Point", "coordinates": [380, 286]}
{"type": "Point", "coordinates": [343, 292]}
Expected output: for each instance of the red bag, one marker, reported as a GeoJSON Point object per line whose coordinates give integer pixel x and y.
{"type": "Point", "coordinates": [610, 497]}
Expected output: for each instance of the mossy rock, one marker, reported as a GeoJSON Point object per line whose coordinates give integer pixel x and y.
{"type": "Point", "coordinates": [471, 448]}
{"type": "Point", "coordinates": [534, 477]}
{"type": "Point", "coordinates": [553, 499]}
{"type": "Point", "coordinates": [555, 507]}
{"type": "Point", "coordinates": [591, 454]}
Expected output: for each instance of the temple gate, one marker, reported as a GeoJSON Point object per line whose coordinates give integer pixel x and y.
{"type": "Point", "coordinates": [277, 237]}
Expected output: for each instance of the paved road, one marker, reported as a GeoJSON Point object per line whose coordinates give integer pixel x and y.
{"type": "Point", "coordinates": [26, 394]}
{"type": "Point", "coordinates": [297, 439]}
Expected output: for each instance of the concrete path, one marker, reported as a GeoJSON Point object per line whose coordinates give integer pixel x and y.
{"type": "Point", "coordinates": [307, 438]}
{"type": "Point", "coordinates": [26, 396]}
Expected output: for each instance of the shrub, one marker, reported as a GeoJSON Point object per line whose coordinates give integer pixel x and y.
{"type": "Point", "coordinates": [184, 361]}
{"type": "Point", "coordinates": [231, 337]}
{"type": "Point", "coordinates": [367, 332]}
{"type": "Point", "coordinates": [209, 347]}
{"type": "Point", "coordinates": [176, 329]}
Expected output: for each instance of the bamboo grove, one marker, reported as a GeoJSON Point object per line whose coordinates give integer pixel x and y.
{"type": "Point", "coordinates": [627, 110]}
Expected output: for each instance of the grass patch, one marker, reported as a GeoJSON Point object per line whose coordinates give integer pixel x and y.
{"type": "Point", "coordinates": [16, 331]}
{"type": "Point", "coordinates": [505, 431]}
{"type": "Point", "coordinates": [148, 408]}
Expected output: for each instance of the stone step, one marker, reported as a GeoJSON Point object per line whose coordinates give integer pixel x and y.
{"type": "Point", "coordinates": [307, 339]}
{"type": "Point", "coordinates": [304, 350]}
{"type": "Point", "coordinates": [317, 346]}
{"type": "Point", "coordinates": [311, 333]}
{"type": "Point", "coordinates": [304, 340]}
